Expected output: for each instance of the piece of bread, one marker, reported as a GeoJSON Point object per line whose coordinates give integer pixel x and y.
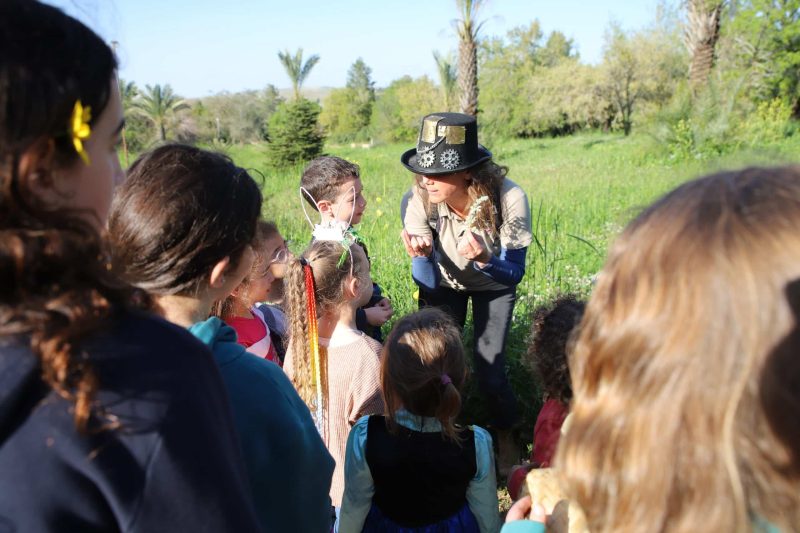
{"type": "Point", "coordinates": [545, 489]}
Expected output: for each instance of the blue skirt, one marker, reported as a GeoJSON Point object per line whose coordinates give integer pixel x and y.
{"type": "Point", "coordinates": [462, 522]}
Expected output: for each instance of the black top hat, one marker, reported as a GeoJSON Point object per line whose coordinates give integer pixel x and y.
{"type": "Point", "coordinates": [448, 143]}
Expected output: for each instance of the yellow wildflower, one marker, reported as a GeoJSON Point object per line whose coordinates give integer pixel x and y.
{"type": "Point", "coordinates": [378, 199]}
{"type": "Point", "coordinates": [416, 294]}
{"type": "Point", "coordinates": [79, 128]}
{"type": "Point", "coordinates": [378, 213]}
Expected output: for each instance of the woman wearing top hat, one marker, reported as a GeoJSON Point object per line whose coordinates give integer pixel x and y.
{"type": "Point", "coordinates": [467, 228]}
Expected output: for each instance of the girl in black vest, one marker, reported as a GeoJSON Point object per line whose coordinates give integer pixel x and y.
{"type": "Point", "coordinates": [414, 470]}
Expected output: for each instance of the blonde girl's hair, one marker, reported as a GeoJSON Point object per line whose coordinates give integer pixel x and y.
{"type": "Point", "coordinates": [327, 283]}
{"type": "Point", "coordinates": [423, 368]}
{"type": "Point", "coordinates": [485, 179]}
{"type": "Point", "coordinates": [670, 428]}
{"type": "Point", "coordinates": [265, 230]}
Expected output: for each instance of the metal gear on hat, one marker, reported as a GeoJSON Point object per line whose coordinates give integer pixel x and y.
{"type": "Point", "coordinates": [449, 159]}
{"type": "Point", "coordinates": [426, 160]}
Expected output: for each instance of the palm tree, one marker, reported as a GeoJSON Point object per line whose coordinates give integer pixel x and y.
{"type": "Point", "coordinates": [468, 28]}
{"type": "Point", "coordinates": [128, 91]}
{"type": "Point", "coordinates": [448, 77]}
{"type": "Point", "coordinates": [700, 37]}
{"type": "Point", "coordinates": [159, 106]}
{"type": "Point", "coordinates": [296, 69]}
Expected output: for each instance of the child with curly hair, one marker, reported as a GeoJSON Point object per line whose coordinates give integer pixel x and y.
{"type": "Point", "coordinates": [553, 327]}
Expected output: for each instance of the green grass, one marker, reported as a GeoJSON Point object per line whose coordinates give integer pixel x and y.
{"type": "Point", "coordinates": [582, 190]}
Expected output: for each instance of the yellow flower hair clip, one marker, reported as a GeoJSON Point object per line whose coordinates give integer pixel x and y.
{"type": "Point", "coordinates": [79, 128]}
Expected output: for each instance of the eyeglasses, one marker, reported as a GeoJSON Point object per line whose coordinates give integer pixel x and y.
{"type": "Point", "coordinates": [281, 255]}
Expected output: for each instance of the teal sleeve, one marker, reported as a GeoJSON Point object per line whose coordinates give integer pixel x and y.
{"type": "Point", "coordinates": [358, 484]}
{"type": "Point", "coordinates": [523, 526]}
{"type": "Point", "coordinates": [482, 490]}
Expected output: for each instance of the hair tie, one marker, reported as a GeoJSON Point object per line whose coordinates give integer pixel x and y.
{"type": "Point", "coordinates": [303, 261]}
{"type": "Point", "coordinates": [446, 380]}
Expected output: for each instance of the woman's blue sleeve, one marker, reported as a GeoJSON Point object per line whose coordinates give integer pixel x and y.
{"type": "Point", "coordinates": [425, 271]}
{"type": "Point", "coordinates": [523, 526]}
{"type": "Point", "coordinates": [507, 268]}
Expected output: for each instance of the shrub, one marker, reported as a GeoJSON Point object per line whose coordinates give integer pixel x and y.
{"type": "Point", "coordinates": [294, 133]}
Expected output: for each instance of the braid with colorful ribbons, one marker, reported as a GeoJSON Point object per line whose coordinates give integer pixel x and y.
{"type": "Point", "coordinates": [315, 283]}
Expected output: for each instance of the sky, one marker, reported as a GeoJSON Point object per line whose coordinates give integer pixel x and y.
{"type": "Point", "coordinates": [201, 47]}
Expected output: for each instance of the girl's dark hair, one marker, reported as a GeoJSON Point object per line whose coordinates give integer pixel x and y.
{"type": "Point", "coordinates": [423, 368]}
{"type": "Point", "coordinates": [552, 328]}
{"type": "Point", "coordinates": [55, 287]}
{"type": "Point", "coordinates": [180, 211]}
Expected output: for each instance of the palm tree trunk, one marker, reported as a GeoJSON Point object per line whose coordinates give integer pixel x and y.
{"type": "Point", "coordinates": [701, 38]}
{"type": "Point", "coordinates": [163, 131]}
{"type": "Point", "coordinates": [468, 76]}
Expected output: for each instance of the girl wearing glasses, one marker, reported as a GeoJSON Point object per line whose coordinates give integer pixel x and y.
{"type": "Point", "coordinates": [242, 310]}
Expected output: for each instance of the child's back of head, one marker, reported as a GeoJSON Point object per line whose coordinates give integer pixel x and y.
{"type": "Point", "coordinates": [669, 427]}
{"type": "Point", "coordinates": [180, 212]}
{"type": "Point", "coordinates": [424, 368]}
{"type": "Point", "coordinates": [551, 331]}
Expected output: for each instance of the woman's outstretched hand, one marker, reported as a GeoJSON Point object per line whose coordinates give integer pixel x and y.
{"type": "Point", "coordinates": [416, 245]}
{"type": "Point", "coordinates": [474, 248]}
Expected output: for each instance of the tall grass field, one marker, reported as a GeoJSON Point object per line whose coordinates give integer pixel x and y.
{"type": "Point", "coordinates": [582, 190]}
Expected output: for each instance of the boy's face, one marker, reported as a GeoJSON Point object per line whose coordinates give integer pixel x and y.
{"type": "Point", "coordinates": [346, 202]}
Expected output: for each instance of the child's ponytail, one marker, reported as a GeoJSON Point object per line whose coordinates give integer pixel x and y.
{"type": "Point", "coordinates": [314, 284]}
{"type": "Point", "coordinates": [449, 406]}
{"type": "Point", "coordinates": [423, 369]}
{"type": "Point", "coordinates": [297, 305]}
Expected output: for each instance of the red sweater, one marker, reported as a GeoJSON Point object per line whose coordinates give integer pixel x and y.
{"type": "Point", "coordinates": [547, 431]}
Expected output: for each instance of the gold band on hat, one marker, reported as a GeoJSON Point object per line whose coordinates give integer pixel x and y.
{"type": "Point", "coordinates": [454, 134]}
{"type": "Point", "coordinates": [431, 131]}
{"type": "Point", "coordinates": [428, 134]}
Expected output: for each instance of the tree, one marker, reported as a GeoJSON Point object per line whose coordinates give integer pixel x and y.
{"type": "Point", "coordinates": [701, 36]}
{"type": "Point", "coordinates": [296, 69]}
{"type": "Point", "coordinates": [340, 116]}
{"type": "Point", "coordinates": [362, 88]}
{"type": "Point", "coordinates": [622, 71]}
{"type": "Point", "coordinates": [159, 106]}
{"type": "Point", "coordinates": [641, 69]}
{"type": "Point", "coordinates": [558, 48]}
{"type": "Point", "coordinates": [468, 29]}
{"type": "Point", "coordinates": [766, 38]}
{"type": "Point", "coordinates": [448, 78]}
{"type": "Point", "coordinates": [128, 92]}
{"type": "Point", "coordinates": [137, 129]}
{"type": "Point", "coordinates": [295, 134]}
{"type": "Point", "coordinates": [399, 108]}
